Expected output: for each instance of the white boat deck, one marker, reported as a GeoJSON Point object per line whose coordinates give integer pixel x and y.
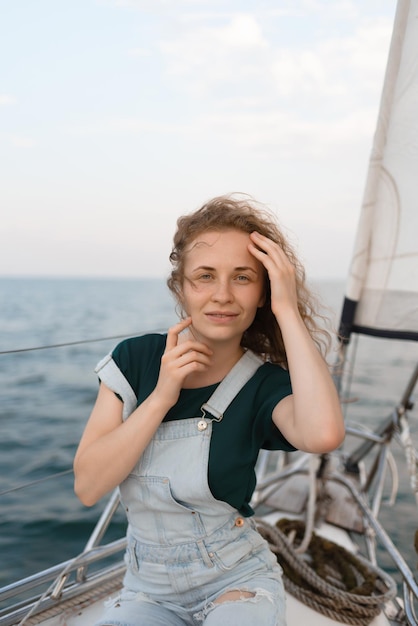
{"type": "Point", "coordinates": [297, 614]}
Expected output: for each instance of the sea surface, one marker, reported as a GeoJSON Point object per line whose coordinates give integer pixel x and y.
{"type": "Point", "coordinates": [52, 333]}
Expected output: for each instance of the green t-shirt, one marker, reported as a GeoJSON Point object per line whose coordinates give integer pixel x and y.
{"type": "Point", "coordinates": [246, 426]}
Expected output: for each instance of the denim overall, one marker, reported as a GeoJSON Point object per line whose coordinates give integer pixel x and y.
{"type": "Point", "coordinates": [185, 548]}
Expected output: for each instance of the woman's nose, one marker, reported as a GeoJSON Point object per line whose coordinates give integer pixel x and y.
{"type": "Point", "coordinates": [222, 291]}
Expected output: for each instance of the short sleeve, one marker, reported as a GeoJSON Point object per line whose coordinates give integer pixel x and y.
{"type": "Point", "coordinates": [131, 369]}
{"type": "Point", "coordinates": [275, 386]}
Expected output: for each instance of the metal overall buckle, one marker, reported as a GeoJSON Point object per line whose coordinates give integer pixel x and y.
{"type": "Point", "coordinates": [204, 421]}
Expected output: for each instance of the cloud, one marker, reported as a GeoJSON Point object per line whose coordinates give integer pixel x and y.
{"type": "Point", "coordinates": [243, 31]}
{"type": "Point", "coordinates": [7, 99]}
{"type": "Point", "coordinates": [207, 56]}
{"type": "Point", "coordinates": [242, 74]}
{"type": "Point", "coordinates": [19, 141]}
{"type": "Point", "coordinates": [248, 87]}
{"type": "Point", "coordinates": [333, 68]}
{"type": "Point", "coordinates": [281, 134]}
{"type": "Point", "coordinates": [342, 9]}
{"type": "Point", "coordinates": [139, 52]}
{"type": "Point", "coordinates": [129, 125]}
{"type": "Point", "coordinates": [250, 90]}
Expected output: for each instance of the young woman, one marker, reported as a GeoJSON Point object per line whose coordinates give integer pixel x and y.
{"type": "Point", "coordinates": [186, 474]}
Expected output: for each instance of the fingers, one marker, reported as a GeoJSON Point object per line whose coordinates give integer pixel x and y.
{"type": "Point", "coordinates": [198, 357]}
{"type": "Point", "coordinates": [281, 272]}
{"type": "Point", "coordinates": [269, 253]}
{"type": "Point", "coordinates": [174, 332]}
{"type": "Point", "coordinates": [264, 245]}
{"type": "Point", "coordinates": [179, 360]}
{"type": "Point", "coordinates": [179, 347]}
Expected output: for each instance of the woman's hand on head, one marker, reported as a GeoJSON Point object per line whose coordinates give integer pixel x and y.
{"type": "Point", "coordinates": [180, 359]}
{"type": "Point", "coordinates": [280, 270]}
{"type": "Point", "coordinates": [311, 417]}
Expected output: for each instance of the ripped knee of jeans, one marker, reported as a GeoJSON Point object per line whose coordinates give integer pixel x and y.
{"type": "Point", "coordinates": [234, 595]}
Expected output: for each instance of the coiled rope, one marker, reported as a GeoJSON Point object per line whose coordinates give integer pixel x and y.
{"type": "Point", "coordinates": [64, 608]}
{"type": "Point", "coordinates": [328, 578]}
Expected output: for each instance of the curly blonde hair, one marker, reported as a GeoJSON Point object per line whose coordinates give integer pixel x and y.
{"type": "Point", "coordinates": [243, 213]}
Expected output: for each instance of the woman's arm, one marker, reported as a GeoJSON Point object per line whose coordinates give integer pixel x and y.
{"type": "Point", "coordinates": [311, 418]}
{"type": "Point", "coordinates": [110, 447]}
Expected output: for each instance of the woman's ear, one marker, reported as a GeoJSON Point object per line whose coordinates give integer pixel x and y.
{"type": "Point", "coordinates": [262, 301]}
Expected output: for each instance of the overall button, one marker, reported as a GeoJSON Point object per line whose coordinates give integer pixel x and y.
{"type": "Point", "coordinates": [239, 522]}
{"type": "Point", "coordinates": [202, 425]}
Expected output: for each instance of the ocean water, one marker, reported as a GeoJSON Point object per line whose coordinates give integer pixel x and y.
{"type": "Point", "coordinates": [46, 394]}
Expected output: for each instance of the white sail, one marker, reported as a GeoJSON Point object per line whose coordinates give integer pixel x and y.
{"type": "Point", "coordinates": [382, 289]}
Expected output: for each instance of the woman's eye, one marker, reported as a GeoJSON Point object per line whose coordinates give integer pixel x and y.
{"type": "Point", "coordinates": [242, 279]}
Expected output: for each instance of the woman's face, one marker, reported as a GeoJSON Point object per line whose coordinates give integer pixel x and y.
{"type": "Point", "coordinates": [223, 285]}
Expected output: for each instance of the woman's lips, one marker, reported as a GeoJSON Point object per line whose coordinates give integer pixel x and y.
{"type": "Point", "coordinates": [221, 317]}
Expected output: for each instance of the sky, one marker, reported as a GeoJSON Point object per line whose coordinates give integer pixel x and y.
{"type": "Point", "coordinates": [118, 116]}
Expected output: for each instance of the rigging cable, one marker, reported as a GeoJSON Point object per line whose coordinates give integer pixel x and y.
{"type": "Point", "coordinates": [79, 342]}
{"type": "Point", "coordinates": [35, 482]}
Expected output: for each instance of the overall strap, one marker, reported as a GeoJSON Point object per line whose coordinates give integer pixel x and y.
{"type": "Point", "coordinates": [232, 384]}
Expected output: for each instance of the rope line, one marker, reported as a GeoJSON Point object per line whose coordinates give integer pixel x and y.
{"type": "Point", "coordinates": [36, 482]}
{"type": "Point", "coordinates": [78, 342]}
{"type": "Point", "coordinates": [80, 602]}
{"type": "Point", "coordinates": [340, 585]}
